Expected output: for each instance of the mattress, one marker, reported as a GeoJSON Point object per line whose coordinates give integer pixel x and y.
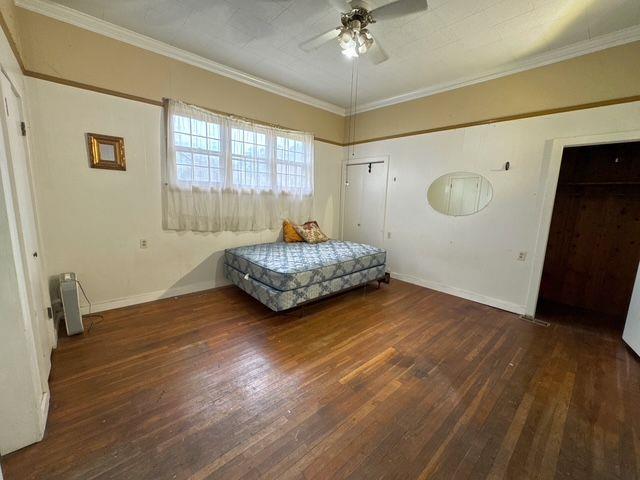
{"type": "Point", "coordinates": [290, 266]}
{"type": "Point", "coordinates": [279, 300]}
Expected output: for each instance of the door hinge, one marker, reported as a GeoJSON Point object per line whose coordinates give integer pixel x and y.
{"type": "Point", "coordinates": [23, 129]}
{"type": "Point", "coordinates": [49, 312]}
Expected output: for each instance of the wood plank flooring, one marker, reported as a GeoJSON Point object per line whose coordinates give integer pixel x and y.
{"type": "Point", "coordinates": [401, 382]}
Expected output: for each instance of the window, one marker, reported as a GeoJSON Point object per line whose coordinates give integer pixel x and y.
{"type": "Point", "coordinates": [198, 147]}
{"type": "Point", "coordinates": [250, 157]}
{"type": "Point", "coordinates": [290, 161]}
{"type": "Point", "coordinates": [222, 173]}
{"type": "Point", "coordinates": [250, 163]}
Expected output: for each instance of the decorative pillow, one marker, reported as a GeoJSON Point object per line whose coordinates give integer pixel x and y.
{"type": "Point", "coordinates": [289, 232]}
{"type": "Point", "coordinates": [311, 232]}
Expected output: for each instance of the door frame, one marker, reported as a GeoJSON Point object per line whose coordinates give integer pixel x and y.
{"type": "Point", "coordinates": [42, 280]}
{"type": "Point", "coordinates": [548, 201]}
{"type": "Point", "coordinates": [343, 186]}
{"type": "Point", "coordinates": [30, 296]}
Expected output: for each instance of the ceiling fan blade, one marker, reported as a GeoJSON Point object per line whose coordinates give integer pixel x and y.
{"type": "Point", "coordinates": [340, 5]}
{"type": "Point", "coordinates": [399, 8]}
{"type": "Point", "coordinates": [376, 53]}
{"type": "Point", "coordinates": [319, 40]}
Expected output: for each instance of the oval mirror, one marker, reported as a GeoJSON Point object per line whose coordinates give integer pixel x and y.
{"type": "Point", "coordinates": [460, 193]}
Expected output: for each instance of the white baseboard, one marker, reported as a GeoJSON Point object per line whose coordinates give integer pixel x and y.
{"type": "Point", "coordinates": [151, 296]}
{"type": "Point", "coordinates": [458, 292]}
{"type": "Point", "coordinates": [44, 412]}
{"type": "Point", "coordinates": [197, 287]}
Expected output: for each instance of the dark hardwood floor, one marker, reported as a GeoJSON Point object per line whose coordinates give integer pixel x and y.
{"type": "Point", "coordinates": [403, 382]}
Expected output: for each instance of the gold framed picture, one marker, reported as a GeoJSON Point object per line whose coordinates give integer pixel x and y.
{"type": "Point", "coordinates": [106, 151]}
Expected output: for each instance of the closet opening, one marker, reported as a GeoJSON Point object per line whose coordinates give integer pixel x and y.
{"type": "Point", "coordinates": [593, 248]}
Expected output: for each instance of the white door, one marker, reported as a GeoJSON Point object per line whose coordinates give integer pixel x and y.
{"type": "Point", "coordinates": [631, 333]}
{"type": "Point", "coordinates": [23, 201]}
{"type": "Point", "coordinates": [365, 200]}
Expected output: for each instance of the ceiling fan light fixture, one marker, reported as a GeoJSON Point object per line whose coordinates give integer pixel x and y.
{"type": "Point", "coordinates": [364, 40]}
{"type": "Point", "coordinates": [346, 36]}
{"type": "Point", "coordinates": [350, 52]}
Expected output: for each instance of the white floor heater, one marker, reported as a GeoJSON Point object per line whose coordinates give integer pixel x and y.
{"type": "Point", "coordinates": [70, 303]}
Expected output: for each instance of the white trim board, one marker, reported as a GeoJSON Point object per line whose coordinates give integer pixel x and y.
{"type": "Point", "coordinates": [201, 286]}
{"type": "Point", "coordinates": [549, 198]}
{"type": "Point", "coordinates": [458, 292]}
{"type": "Point", "coordinates": [44, 412]}
{"type": "Point", "coordinates": [140, 298]}
{"type": "Point", "coordinates": [102, 27]}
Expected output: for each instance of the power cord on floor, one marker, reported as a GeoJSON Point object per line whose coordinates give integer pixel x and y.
{"type": "Point", "coordinates": [89, 315]}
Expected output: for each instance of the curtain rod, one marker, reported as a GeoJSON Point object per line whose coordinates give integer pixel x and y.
{"type": "Point", "coordinates": [165, 102]}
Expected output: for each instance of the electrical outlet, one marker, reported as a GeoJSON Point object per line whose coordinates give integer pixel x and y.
{"type": "Point", "coordinates": [522, 256]}
{"type": "Point", "coordinates": [143, 244]}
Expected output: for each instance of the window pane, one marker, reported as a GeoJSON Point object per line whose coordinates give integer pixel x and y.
{"type": "Point", "coordinates": [182, 140]}
{"type": "Point", "coordinates": [198, 127]}
{"type": "Point", "coordinates": [262, 139]}
{"type": "Point", "coordinates": [181, 124]}
{"type": "Point", "coordinates": [249, 136]}
{"type": "Point", "coordinates": [236, 134]}
{"type": "Point", "coordinates": [249, 150]}
{"type": "Point", "coordinates": [213, 130]}
{"type": "Point", "coordinates": [201, 160]}
{"type": "Point", "coordinates": [199, 143]}
{"type": "Point", "coordinates": [213, 145]}
{"type": "Point", "coordinates": [214, 161]}
{"type": "Point", "coordinates": [183, 158]}
{"type": "Point", "coordinates": [184, 173]}
{"type": "Point", "coordinates": [201, 174]}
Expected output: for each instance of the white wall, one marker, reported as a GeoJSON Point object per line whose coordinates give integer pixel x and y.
{"type": "Point", "coordinates": [92, 220]}
{"type": "Point", "coordinates": [476, 256]}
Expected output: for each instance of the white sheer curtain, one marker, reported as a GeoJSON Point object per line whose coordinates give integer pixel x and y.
{"type": "Point", "coordinates": [226, 174]}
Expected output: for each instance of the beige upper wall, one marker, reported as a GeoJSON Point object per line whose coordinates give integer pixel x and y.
{"type": "Point", "coordinates": [54, 48]}
{"type": "Point", "coordinates": [602, 76]}
{"type": "Point", "coordinates": [9, 21]}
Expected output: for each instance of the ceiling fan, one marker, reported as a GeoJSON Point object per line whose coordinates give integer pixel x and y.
{"type": "Point", "coordinates": [353, 36]}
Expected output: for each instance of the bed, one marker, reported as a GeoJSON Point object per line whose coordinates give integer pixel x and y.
{"type": "Point", "coordinates": [285, 275]}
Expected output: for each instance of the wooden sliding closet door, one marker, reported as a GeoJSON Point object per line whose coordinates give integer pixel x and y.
{"type": "Point", "coordinates": [594, 239]}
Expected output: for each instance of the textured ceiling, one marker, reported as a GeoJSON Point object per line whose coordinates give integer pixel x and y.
{"type": "Point", "coordinates": [453, 40]}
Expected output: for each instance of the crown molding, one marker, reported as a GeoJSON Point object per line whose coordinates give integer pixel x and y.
{"type": "Point", "coordinates": [102, 27]}
{"type": "Point", "coordinates": [628, 35]}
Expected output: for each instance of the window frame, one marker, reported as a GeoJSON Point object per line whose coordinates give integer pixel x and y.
{"type": "Point", "coordinates": [197, 150]}
{"type": "Point", "coordinates": [249, 156]}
